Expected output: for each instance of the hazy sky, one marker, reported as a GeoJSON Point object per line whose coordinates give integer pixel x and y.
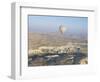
{"type": "Point", "coordinates": [74, 25]}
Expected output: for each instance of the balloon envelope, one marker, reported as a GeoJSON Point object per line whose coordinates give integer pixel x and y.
{"type": "Point", "coordinates": [62, 29]}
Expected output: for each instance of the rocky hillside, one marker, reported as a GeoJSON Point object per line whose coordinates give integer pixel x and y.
{"type": "Point", "coordinates": [52, 39]}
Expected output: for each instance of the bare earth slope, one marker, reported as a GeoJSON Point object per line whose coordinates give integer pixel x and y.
{"type": "Point", "coordinates": [52, 39]}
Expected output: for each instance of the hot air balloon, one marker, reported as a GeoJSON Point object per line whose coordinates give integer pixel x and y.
{"type": "Point", "coordinates": [62, 29]}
